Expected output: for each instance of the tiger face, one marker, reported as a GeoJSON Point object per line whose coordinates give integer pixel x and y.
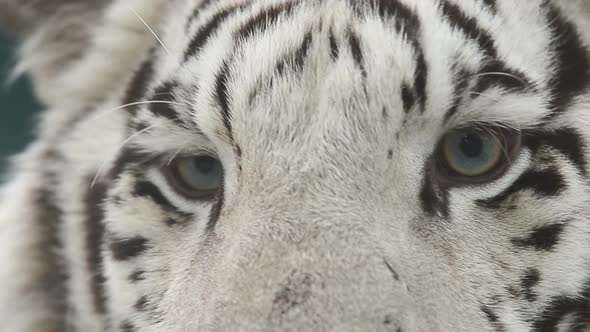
{"type": "Point", "coordinates": [362, 165]}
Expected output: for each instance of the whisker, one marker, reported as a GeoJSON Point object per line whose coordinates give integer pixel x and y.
{"type": "Point", "coordinates": [499, 73]}
{"type": "Point", "coordinates": [151, 30]}
{"type": "Point", "coordinates": [146, 102]}
{"type": "Point", "coordinates": [481, 94]}
{"type": "Point", "coordinates": [129, 139]}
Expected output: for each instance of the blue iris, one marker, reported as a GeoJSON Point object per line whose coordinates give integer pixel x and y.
{"type": "Point", "coordinates": [472, 152]}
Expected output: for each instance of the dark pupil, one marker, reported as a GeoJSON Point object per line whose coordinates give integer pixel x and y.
{"type": "Point", "coordinates": [204, 164]}
{"type": "Point", "coordinates": [471, 145]}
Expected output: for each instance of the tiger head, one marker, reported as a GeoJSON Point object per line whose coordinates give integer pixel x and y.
{"type": "Point", "coordinates": [329, 165]}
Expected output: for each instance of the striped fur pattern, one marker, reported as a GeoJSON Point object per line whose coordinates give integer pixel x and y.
{"type": "Point", "coordinates": [324, 115]}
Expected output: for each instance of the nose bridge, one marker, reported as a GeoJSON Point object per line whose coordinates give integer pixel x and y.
{"type": "Point", "coordinates": [309, 274]}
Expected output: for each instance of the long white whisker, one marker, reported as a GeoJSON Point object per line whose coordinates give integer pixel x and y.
{"type": "Point", "coordinates": [152, 31]}
{"type": "Point", "coordinates": [129, 139]}
{"type": "Point", "coordinates": [146, 102]}
{"type": "Point", "coordinates": [491, 73]}
{"type": "Point", "coordinates": [481, 94]}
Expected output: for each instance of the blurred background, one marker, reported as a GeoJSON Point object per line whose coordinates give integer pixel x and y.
{"type": "Point", "coordinates": [17, 106]}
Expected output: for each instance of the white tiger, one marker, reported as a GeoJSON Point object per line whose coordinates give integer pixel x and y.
{"type": "Point", "coordinates": [399, 165]}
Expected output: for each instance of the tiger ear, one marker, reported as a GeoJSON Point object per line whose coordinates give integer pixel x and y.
{"type": "Point", "coordinates": [75, 50]}
{"type": "Point", "coordinates": [23, 17]}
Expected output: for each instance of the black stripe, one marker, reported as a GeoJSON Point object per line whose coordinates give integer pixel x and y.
{"type": "Point", "coordinates": [195, 14]}
{"type": "Point", "coordinates": [513, 81]}
{"type": "Point", "coordinates": [301, 53]}
{"type": "Point", "coordinates": [148, 189]}
{"type": "Point", "coordinates": [128, 158]}
{"type": "Point", "coordinates": [405, 19]}
{"type": "Point", "coordinates": [93, 200]}
{"type": "Point", "coordinates": [127, 326]}
{"type": "Point", "coordinates": [470, 28]}
{"type": "Point", "coordinates": [577, 307]}
{"type": "Point", "coordinates": [493, 318]}
{"type": "Point", "coordinates": [334, 49]}
{"type": "Point", "coordinates": [263, 20]}
{"type": "Point", "coordinates": [204, 33]}
{"type": "Point", "coordinates": [137, 276]}
{"type": "Point", "coordinates": [572, 60]}
{"type": "Point", "coordinates": [529, 280]}
{"type": "Point", "coordinates": [138, 86]}
{"type": "Point", "coordinates": [468, 25]}
{"type": "Point", "coordinates": [165, 92]}
{"type": "Point", "coordinates": [543, 183]}
{"type": "Point", "coordinates": [127, 248]}
{"type": "Point", "coordinates": [491, 5]}
{"type": "Point", "coordinates": [222, 95]}
{"type": "Point", "coordinates": [542, 238]}
{"type": "Point", "coordinates": [216, 210]}
{"type": "Point", "coordinates": [408, 23]}
{"type": "Point", "coordinates": [408, 98]}
{"type": "Point", "coordinates": [432, 198]}
{"type": "Point", "coordinates": [357, 53]}
{"type": "Point", "coordinates": [566, 141]}
{"type": "Point", "coordinates": [460, 84]}
{"type": "Point", "coordinates": [53, 269]}
{"type": "Point", "coordinates": [141, 303]}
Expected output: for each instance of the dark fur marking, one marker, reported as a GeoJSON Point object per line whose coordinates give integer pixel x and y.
{"type": "Point", "coordinates": [165, 93]}
{"type": "Point", "coordinates": [127, 326]}
{"type": "Point", "coordinates": [493, 318]}
{"type": "Point", "coordinates": [334, 49]}
{"type": "Point", "coordinates": [461, 81]}
{"type": "Point", "coordinates": [136, 276]}
{"type": "Point", "coordinates": [390, 268]}
{"type": "Point", "coordinates": [357, 53]}
{"type": "Point", "coordinates": [263, 20]}
{"type": "Point", "coordinates": [127, 248]}
{"type": "Point", "coordinates": [541, 238]}
{"type": "Point", "coordinates": [491, 5]}
{"type": "Point", "coordinates": [390, 154]}
{"type": "Point", "coordinates": [432, 198]}
{"type": "Point", "coordinates": [215, 211]}
{"type": "Point", "coordinates": [205, 32]}
{"type": "Point", "coordinates": [469, 27]}
{"type": "Point", "coordinates": [565, 140]}
{"type": "Point", "coordinates": [137, 88]}
{"type": "Point", "coordinates": [53, 275]}
{"type": "Point", "coordinates": [562, 306]}
{"type": "Point", "coordinates": [514, 81]}
{"type": "Point", "coordinates": [572, 61]}
{"type": "Point", "coordinates": [301, 53]}
{"type": "Point", "coordinates": [543, 183]}
{"type": "Point", "coordinates": [94, 239]}
{"type": "Point", "coordinates": [408, 98]}
{"type": "Point", "coordinates": [141, 303]}
{"type": "Point", "coordinates": [222, 95]}
{"type": "Point", "coordinates": [148, 189]}
{"type": "Point", "coordinates": [127, 158]}
{"type": "Point", "coordinates": [294, 292]}
{"type": "Point", "coordinates": [529, 280]}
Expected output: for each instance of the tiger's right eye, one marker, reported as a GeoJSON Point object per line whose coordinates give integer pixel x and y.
{"type": "Point", "coordinates": [196, 177]}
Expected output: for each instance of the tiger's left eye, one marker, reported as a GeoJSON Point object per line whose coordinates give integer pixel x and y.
{"type": "Point", "coordinates": [476, 155]}
{"type": "Point", "coordinates": [197, 177]}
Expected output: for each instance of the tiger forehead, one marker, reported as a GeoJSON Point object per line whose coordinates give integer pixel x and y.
{"type": "Point", "coordinates": [323, 57]}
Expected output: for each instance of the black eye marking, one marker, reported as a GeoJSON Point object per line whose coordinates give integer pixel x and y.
{"type": "Point", "coordinates": [127, 248]}
{"type": "Point", "coordinates": [148, 189]}
{"type": "Point", "coordinates": [541, 238]}
{"type": "Point", "coordinates": [545, 183]}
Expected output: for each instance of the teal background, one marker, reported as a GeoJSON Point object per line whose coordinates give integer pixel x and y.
{"type": "Point", "coordinates": [17, 106]}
